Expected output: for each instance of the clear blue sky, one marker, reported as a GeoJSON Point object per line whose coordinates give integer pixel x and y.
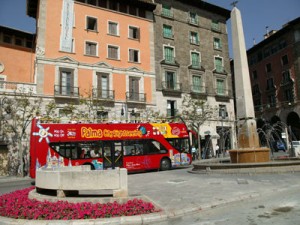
{"type": "Point", "coordinates": [256, 15]}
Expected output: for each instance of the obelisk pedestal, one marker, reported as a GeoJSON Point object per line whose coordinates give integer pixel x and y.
{"type": "Point", "coordinates": [249, 149]}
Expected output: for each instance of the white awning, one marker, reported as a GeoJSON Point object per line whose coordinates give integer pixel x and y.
{"type": "Point", "coordinates": [207, 130]}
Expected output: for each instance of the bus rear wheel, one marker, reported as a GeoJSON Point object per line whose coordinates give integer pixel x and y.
{"type": "Point", "coordinates": [165, 164]}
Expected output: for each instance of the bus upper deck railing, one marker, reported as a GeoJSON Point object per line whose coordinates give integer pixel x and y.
{"type": "Point", "coordinates": [107, 121]}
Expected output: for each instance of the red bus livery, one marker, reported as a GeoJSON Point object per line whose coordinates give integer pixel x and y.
{"type": "Point", "coordinates": [135, 146]}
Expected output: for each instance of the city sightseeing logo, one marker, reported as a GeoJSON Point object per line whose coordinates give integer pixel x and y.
{"type": "Point", "coordinates": [43, 133]}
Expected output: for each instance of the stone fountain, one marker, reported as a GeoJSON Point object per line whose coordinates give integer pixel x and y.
{"type": "Point", "coordinates": [248, 150]}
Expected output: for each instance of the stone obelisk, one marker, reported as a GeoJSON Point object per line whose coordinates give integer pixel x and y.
{"type": "Point", "coordinates": [246, 123]}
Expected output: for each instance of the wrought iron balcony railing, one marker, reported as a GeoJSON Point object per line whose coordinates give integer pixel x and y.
{"type": "Point", "coordinates": [171, 86]}
{"type": "Point", "coordinates": [103, 94]}
{"type": "Point", "coordinates": [66, 91]}
{"type": "Point", "coordinates": [198, 89]}
{"type": "Point", "coordinates": [136, 97]}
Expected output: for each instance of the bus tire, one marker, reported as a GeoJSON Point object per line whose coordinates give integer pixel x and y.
{"type": "Point", "coordinates": [165, 164]}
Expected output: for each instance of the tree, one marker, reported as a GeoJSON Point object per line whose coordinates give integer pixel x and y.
{"type": "Point", "coordinates": [17, 115]}
{"type": "Point", "coordinates": [195, 113]}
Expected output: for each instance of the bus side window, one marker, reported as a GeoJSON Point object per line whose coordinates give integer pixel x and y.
{"type": "Point", "coordinates": [156, 148]}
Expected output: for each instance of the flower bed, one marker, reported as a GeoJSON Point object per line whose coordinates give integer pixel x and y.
{"type": "Point", "coordinates": [17, 205]}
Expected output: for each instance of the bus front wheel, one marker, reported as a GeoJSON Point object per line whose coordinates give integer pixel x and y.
{"type": "Point", "coordinates": [165, 164]}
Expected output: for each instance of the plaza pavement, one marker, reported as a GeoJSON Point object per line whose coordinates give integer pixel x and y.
{"type": "Point", "coordinates": [180, 192]}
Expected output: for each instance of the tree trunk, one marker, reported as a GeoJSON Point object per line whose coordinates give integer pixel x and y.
{"type": "Point", "coordinates": [199, 144]}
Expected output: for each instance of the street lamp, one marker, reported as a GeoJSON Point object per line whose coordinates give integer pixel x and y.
{"type": "Point", "coordinates": [3, 101]}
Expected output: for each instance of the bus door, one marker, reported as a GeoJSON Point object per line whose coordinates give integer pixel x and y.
{"type": "Point", "coordinates": [112, 154]}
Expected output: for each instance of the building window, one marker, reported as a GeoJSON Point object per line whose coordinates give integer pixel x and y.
{"type": "Point", "coordinates": [91, 48]}
{"type": "Point", "coordinates": [195, 58]}
{"type": "Point", "coordinates": [133, 10]}
{"type": "Point", "coordinates": [102, 116]}
{"type": "Point", "coordinates": [171, 108]}
{"type": "Point", "coordinates": [18, 41]}
{"type": "Point", "coordinates": [113, 28]}
{"type": "Point", "coordinates": [197, 84]}
{"type": "Point", "coordinates": [194, 38]}
{"type": "Point", "coordinates": [284, 60]}
{"type": "Point", "coordinates": [91, 23]}
{"type": "Point", "coordinates": [193, 18]}
{"type": "Point", "coordinates": [92, 2]}
{"type": "Point", "coordinates": [268, 67]}
{"type": "Point", "coordinates": [289, 95]}
{"type": "Point", "coordinates": [113, 52]}
{"type": "Point", "coordinates": [170, 80]}
{"type": "Point", "coordinates": [167, 11]}
{"type": "Point", "coordinates": [29, 44]}
{"type": "Point", "coordinates": [270, 84]}
{"type": "Point", "coordinates": [113, 5]}
{"type": "Point", "coordinates": [223, 111]}
{"type": "Point", "coordinates": [267, 52]}
{"type": "Point", "coordinates": [134, 89]}
{"type": "Point", "coordinates": [169, 54]}
{"type": "Point", "coordinates": [134, 32]}
{"type": "Point", "coordinates": [102, 3]}
{"type": "Point", "coordinates": [7, 39]}
{"type": "Point", "coordinates": [254, 75]}
{"type": "Point", "coordinates": [215, 25]}
{"type": "Point", "coordinates": [102, 85]}
{"type": "Point", "coordinates": [220, 87]}
{"type": "Point", "coordinates": [282, 44]}
{"type": "Point", "coordinates": [272, 100]}
{"type": "Point", "coordinates": [255, 89]}
{"type": "Point", "coordinates": [134, 55]}
{"type": "Point", "coordinates": [286, 77]}
{"type": "Point", "coordinates": [219, 65]}
{"type": "Point", "coordinates": [66, 83]}
{"type": "Point", "coordinates": [167, 31]}
{"type": "Point", "coordinates": [217, 44]}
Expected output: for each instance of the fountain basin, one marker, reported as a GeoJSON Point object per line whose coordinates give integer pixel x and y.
{"type": "Point", "coordinates": [249, 155]}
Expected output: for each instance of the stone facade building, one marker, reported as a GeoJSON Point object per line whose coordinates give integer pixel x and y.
{"type": "Point", "coordinates": [274, 66]}
{"type": "Point", "coordinates": [192, 58]}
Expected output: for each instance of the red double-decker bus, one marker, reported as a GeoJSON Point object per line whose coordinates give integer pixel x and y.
{"type": "Point", "coordinates": [135, 146]}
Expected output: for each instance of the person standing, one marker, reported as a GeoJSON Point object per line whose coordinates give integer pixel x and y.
{"type": "Point", "coordinates": [194, 153]}
{"type": "Point", "coordinates": [217, 150]}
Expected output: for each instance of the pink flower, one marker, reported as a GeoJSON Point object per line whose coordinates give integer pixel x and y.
{"type": "Point", "coordinates": [17, 205]}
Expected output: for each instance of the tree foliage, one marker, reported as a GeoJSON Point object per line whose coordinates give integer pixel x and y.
{"type": "Point", "coordinates": [17, 113]}
{"type": "Point", "coordinates": [196, 112]}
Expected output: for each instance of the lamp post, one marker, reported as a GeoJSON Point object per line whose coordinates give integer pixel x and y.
{"type": "Point", "coordinates": [3, 101]}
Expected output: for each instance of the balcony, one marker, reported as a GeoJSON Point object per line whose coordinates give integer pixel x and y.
{"type": "Point", "coordinates": [220, 69]}
{"type": "Point", "coordinates": [169, 35]}
{"type": "Point", "coordinates": [193, 21]}
{"type": "Point", "coordinates": [17, 87]}
{"type": "Point", "coordinates": [194, 41]}
{"type": "Point", "coordinates": [167, 13]}
{"type": "Point", "coordinates": [215, 27]}
{"type": "Point", "coordinates": [171, 88]}
{"type": "Point", "coordinates": [223, 95]}
{"type": "Point", "coordinates": [198, 92]}
{"type": "Point", "coordinates": [102, 94]}
{"type": "Point", "coordinates": [66, 91]}
{"type": "Point", "coordinates": [135, 97]}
